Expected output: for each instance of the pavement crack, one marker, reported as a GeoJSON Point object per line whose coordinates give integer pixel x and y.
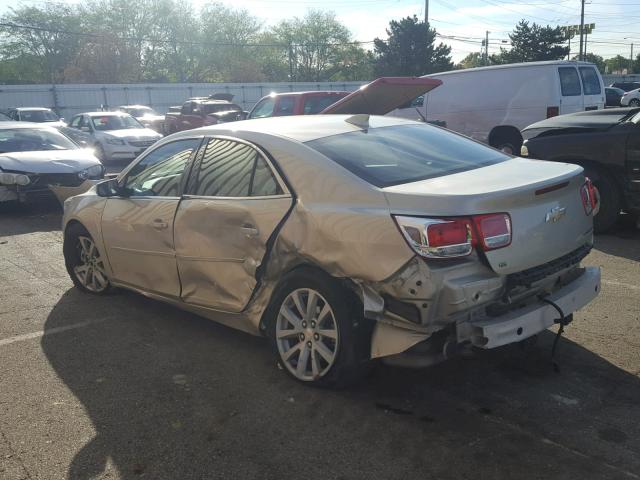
{"type": "Point", "coordinates": [15, 455]}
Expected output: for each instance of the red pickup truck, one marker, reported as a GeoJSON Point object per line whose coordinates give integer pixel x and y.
{"type": "Point", "coordinates": [201, 111]}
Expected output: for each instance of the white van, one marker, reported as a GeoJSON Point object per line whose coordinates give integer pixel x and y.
{"type": "Point", "coordinates": [492, 104]}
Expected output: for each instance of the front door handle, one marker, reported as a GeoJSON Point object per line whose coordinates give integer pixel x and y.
{"type": "Point", "coordinates": [249, 231]}
{"type": "Point", "coordinates": [159, 224]}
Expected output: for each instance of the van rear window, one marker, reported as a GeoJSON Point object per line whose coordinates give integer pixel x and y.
{"type": "Point", "coordinates": [405, 153]}
{"type": "Point", "coordinates": [569, 82]}
{"type": "Point", "coordinates": [590, 81]}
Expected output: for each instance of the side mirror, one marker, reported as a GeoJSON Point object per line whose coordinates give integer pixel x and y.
{"type": "Point", "coordinates": [110, 188]}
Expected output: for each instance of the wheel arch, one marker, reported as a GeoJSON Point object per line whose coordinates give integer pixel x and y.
{"type": "Point", "coordinates": [504, 133]}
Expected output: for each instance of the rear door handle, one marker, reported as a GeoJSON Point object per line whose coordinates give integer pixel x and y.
{"type": "Point", "coordinates": [159, 224]}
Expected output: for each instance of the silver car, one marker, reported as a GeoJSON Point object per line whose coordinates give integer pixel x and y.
{"type": "Point", "coordinates": [116, 135]}
{"type": "Point", "coordinates": [342, 239]}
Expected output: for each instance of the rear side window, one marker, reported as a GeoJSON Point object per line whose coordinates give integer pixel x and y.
{"type": "Point", "coordinates": [285, 106]}
{"type": "Point", "coordinates": [590, 81]}
{"type": "Point", "coordinates": [233, 169]}
{"type": "Point", "coordinates": [405, 153]}
{"type": "Point", "coordinates": [317, 103]}
{"type": "Point", "coordinates": [569, 82]}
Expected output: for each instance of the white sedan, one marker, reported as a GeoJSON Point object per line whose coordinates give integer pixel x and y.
{"type": "Point", "coordinates": [631, 98]}
{"type": "Point", "coordinates": [39, 162]}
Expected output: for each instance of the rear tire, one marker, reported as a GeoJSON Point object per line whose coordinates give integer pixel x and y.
{"type": "Point", "coordinates": [634, 102]}
{"type": "Point", "coordinates": [317, 331]}
{"type": "Point", "coordinates": [84, 262]}
{"type": "Point", "coordinates": [610, 202]}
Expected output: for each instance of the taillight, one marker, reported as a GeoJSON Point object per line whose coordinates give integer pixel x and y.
{"type": "Point", "coordinates": [553, 112]}
{"type": "Point", "coordinates": [589, 196]}
{"type": "Point", "coordinates": [494, 230]}
{"type": "Point", "coordinates": [455, 237]}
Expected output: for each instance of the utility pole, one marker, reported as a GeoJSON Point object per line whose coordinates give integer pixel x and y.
{"type": "Point", "coordinates": [581, 56]}
{"type": "Point", "coordinates": [486, 48]}
{"type": "Point", "coordinates": [631, 60]}
{"type": "Point", "coordinates": [426, 12]}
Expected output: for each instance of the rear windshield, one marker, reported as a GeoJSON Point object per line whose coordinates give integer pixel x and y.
{"type": "Point", "coordinates": [405, 153]}
{"type": "Point", "coordinates": [569, 82]}
{"type": "Point", "coordinates": [590, 80]}
{"type": "Point", "coordinates": [38, 116]}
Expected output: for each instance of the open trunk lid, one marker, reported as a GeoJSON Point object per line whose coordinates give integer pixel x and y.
{"type": "Point", "coordinates": [382, 96]}
{"type": "Point", "coordinates": [543, 199]}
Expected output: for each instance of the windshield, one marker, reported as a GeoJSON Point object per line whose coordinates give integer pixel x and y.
{"type": "Point", "coordinates": [115, 122]}
{"type": "Point", "coordinates": [30, 140]}
{"type": "Point", "coordinates": [405, 153]}
{"type": "Point", "coordinates": [219, 107]}
{"type": "Point", "coordinates": [140, 111]}
{"type": "Point", "coordinates": [38, 116]}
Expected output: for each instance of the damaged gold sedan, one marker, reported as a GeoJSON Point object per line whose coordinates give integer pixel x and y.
{"type": "Point", "coordinates": [342, 239]}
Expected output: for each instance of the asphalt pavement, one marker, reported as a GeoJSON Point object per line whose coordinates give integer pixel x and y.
{"type": "Point", "coordinates": [123, 387]}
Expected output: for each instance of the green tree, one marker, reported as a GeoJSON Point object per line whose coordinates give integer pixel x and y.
{"type": "Point", "coordinates": [618, 64]}
{"type": "Point", "coordinates": [472, 60]}
{"type": "Point", "coordinates": [532, 43]}
{"type": "Point", "coordinates": [595, 59]}
{"type": "Point", "coordinates": [410, 50]}
{"type": "Point", "coordinates": [48, 46]}
{"type": "Point", "coordinates": [316, 47]}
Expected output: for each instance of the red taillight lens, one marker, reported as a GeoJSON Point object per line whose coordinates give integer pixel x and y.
{"type": "Point", "coordinates": [494, 230]}
{"type": "Point", "coordinates": [455, 237]}
{"type": "Point", "coordinates": [589, 196]}
{"type": "Point", "coordinates": [553, 112]}
{"type": "Point", "coordinates": [449, 232]}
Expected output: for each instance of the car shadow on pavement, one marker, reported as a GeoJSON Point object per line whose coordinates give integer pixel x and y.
{"type": "Point", "coordinates": [171, 395]}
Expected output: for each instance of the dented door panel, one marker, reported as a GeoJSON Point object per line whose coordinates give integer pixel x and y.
{"type": "Point", "coordinates": [220, 243]}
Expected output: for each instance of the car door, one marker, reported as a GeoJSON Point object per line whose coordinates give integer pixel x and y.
{"type": "Point", "coordinates": [234, 204]}
{"type": "Point", "coordinates": [592, 87]}
{"type": "Point", "coordinates": [571, 99]}
{"type": "Point", "coordinates": [137, 228]}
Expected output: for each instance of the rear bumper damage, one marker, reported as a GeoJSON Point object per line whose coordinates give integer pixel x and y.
{"type": "Point", "coordinates": [418, 347]}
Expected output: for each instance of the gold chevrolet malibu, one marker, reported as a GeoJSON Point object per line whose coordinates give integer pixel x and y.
{"type": "Point", "coordinates": [343, 238]}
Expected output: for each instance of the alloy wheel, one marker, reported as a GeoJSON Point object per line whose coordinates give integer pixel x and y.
{"type": "Point", "coordinates": [90, 270]}
{"type": "Point", "coordinates": [307, 334]}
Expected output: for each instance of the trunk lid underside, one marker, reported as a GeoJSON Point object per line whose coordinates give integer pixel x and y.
{"type": "Point", "coordinates": [545, 225]}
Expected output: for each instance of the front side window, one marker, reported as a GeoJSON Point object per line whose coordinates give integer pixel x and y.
{"type": "Point", "coordinates": [286, 106]}
{"type": "Point", "coordinates": [75, 122]}
{"type": "Point", "coordinates": [159, 173]}
{"type": "Point", "coordinates": [590, 81]}
{"type": "Point", "coordinates": [233, 169]}
{"type": "Point", "coordinates": [115, 122]}
{"type": "Point", "coordinates": [405, 153]}
{"type": "Point", "coordinates": [264, 108]}
{"type": "Point", "coordinates": [569, 82]}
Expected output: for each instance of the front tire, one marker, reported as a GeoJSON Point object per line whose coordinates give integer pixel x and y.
{"type": "Point", "coordinates": [317, 330]}
{"type": "Point", "coordinates": [84, 262]}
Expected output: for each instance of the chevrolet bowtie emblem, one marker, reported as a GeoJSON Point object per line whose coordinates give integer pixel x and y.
{"type": "Point", "coordinates": [555, 214]}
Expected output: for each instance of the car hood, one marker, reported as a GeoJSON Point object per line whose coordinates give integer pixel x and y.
{"type": "Point", "coordinates": [593, 120]}
{"type": "Point", "coordinates": [383, 95]}
{"type": "Point", "coordinates": [50, 161]}
{"type": "Point", "coordinates": [138, 133]}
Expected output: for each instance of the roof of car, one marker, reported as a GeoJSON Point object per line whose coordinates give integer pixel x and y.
{"type": "Point", "coordinates": [23, 125]}
{"type": "Point", "coordinates": [574, 63]}
{"type": "Point", "coordinates": [133, 106]}
{"type": "Point", "coordinates": [103, 114]}
{"type": "Point", "coordinates": [32, 109]}
{"type": "Point", "coordinates": [302, 128]}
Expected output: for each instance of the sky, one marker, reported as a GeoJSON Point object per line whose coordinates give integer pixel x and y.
{"type": "Point", "coordinates": [617, 21]}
